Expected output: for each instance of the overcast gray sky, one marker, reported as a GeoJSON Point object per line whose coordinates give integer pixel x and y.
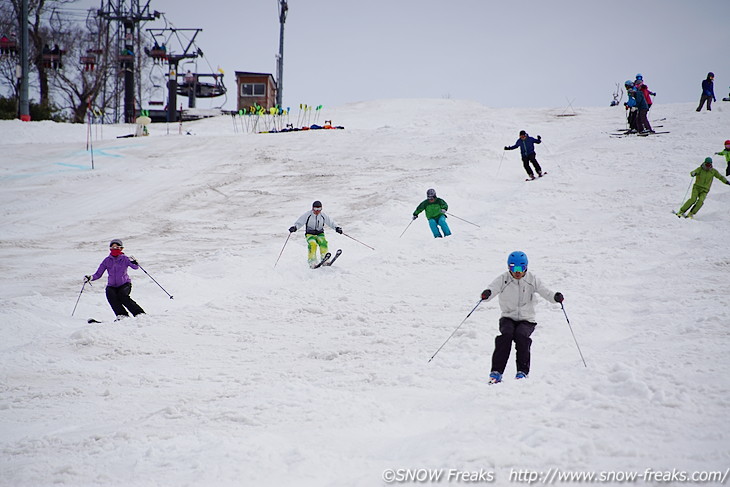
{"type": "Point", "coordinates": [529, 53]}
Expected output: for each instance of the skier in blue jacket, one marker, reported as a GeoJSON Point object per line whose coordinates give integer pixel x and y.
{"type": "Point", "coordinates": [708, 92]}
{"type": "Point", "coordinates": [527, 149]}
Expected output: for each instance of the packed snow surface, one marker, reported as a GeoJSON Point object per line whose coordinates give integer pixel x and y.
{"type": "Point", "coordinates": [265, 375]}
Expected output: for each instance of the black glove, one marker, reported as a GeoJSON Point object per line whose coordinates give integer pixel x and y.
{"type": "Point", "coordinates": [559, 297]}
{"type": "Point", "coordinates": [415, 216]}
{"type": "Point", "coordinates": [87, 278]}
{"type": "Point", "coordinates": [728, 183]}
{"type": "Point", "coordinates": [539, 138]}
{"type": "Point", "coordinates": [292, 229]}
{"type": "Point", "coordinates": [486, 293]}
{"type": "Point", "coordinates": [133, 260]}
{"type": "Point", "coordinates": [506, 148]}
{"type": "Point", "coordinates": [338, 230]}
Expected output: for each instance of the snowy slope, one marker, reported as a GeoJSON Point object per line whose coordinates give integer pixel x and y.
{"type": "Point", "coordinates": [255, 375]}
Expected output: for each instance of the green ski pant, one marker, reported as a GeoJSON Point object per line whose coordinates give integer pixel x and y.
{"type": "Point", "coordinates": [696, 200]}
{"type": "Point", "coordinates": [312, 242]}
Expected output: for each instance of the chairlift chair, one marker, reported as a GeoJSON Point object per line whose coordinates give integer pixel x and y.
{"type": "Point", "coordinates": [8, 46]}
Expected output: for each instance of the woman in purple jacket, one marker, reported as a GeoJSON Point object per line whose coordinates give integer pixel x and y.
{"type": "Point", "coordinates": [119, 285]}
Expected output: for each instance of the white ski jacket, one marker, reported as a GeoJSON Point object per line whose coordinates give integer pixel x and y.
{"type": "Point", "coordinates": [314, 224]}
{"type": "Point", "coordinates": [517, 296]}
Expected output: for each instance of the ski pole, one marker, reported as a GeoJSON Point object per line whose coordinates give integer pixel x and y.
{"type": "Point", "coordinates": [685, 193]}
{"type": "Point", "coordinates": [452, 333]}
{"type": "Point", "coordinates": [467, 221]}
{"type": "Point", "coordinates": [77, 299]}
{"type": "Point", "coordinates": [571, 332]}
{"type": "Point", "coordinates": [356, 240]}
{"type": "Point", "coordinates": [500, 162]}
{"type": "Point", "coordinates": [282, 249]}
{"type": "Point", "coordinates": [404, 231]}
{"type": "Point", "coordinates": [154, 280]}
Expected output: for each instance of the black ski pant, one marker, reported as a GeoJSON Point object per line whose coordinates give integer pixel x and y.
{"type": "Point", "coordinates": [631, 118]}
{"type": "Point", "coordinates": [530, 158]}
{"type": "Point", "coordinates": [642, 120]}
{"type": "Point", "coordinates": [119, 299]}
{"type": "Point", "coordinates": [703, 99]}
{"type": "Point", "coordinates": [513, 331]}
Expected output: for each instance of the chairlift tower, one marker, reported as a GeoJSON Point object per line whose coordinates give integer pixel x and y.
{"type": "Point", "coordinates": [128, 16]}
{"type": "Point", "coordinates": [283, 9]}
{"type": "Point", "coordinates": [173, 61]}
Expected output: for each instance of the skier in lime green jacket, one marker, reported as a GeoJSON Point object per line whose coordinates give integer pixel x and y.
{"type": "Point", "coordinates": [435, 212]}
{"type": "Point", "coordinates": [704, 174]}
{"type": "Point", "coordinates": [726, 153]}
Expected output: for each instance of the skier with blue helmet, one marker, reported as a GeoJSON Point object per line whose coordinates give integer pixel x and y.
{"type": "Point", "coordinates": [516, 288]}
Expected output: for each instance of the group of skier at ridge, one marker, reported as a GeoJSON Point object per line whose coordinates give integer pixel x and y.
{"type": "Point", "coordinates": [638, 105]}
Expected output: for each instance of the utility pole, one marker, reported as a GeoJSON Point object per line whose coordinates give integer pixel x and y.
{"type": "Point", "coordinates": [129, 18]}
{"type": "Point", "coordinates": [283, 8]}
{"type": "Point", "coordinates": [24, 64]}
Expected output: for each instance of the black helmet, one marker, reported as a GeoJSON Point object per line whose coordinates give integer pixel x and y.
{"type": "Point", "coordinates": [430, 193]}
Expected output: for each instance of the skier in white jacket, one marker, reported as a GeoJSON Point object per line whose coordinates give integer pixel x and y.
{"type": "Point", "coordinates": [516, 289]}
{"type": "Point", "coordinates": [313, 222]}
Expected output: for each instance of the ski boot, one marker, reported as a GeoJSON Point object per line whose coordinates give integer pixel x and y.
{"type": "Point", "coordinates": [521, 375]}
{"type": "Point", "coordinates": [495, 377]}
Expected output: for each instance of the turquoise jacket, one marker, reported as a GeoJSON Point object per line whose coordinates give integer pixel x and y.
{"type": "Point", "coordinates": [433, 210]}
{"type": "Point", "coordinates": [705, 177]}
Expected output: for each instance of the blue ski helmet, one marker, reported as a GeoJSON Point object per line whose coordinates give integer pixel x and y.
{"type": "Point", "coordinates": [517, 261]}
{"type": "Point", "coordinates": [639, 76]}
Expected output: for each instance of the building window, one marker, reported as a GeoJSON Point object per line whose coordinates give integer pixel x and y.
{"type": "Point", "coordinates": [253, 89]}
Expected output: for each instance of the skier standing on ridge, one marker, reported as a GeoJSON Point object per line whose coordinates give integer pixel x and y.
{"type": "Point", "coordinates": [708, 92]}
{"type": "Point", "coordinates": [516, 289]}
{"type": "Point", "coordinates": [435, 209]}
{"type": "Point", "coordinates": [527, 150]}
{"type": "Point", "coordinates": [119, 285]}
{"type": "Point", "coordinates": [726, 153]}
{"type": "Point", "coordinates": [313, 222]}
{"type": "Point", "coordinates": [644, 90]}
{"type": "Point", "coordinates": [705, 174]}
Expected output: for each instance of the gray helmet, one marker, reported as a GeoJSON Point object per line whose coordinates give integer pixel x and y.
{"type": "Point", "coordinates": [430, 193]}
{"type": "Point", "coordinates": [116, 241]}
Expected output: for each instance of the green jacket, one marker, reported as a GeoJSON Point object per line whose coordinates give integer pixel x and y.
{"type": "Point", "coordinates": [725, 153]}
{"type": "Point", "coordinates": [433, 210]}
{"type": "Point", "coordinates": [705, 176]}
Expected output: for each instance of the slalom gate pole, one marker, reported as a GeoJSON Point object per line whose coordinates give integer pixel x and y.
{"type": "Point", "coordinates": [282, 249]}
{"type": "Point", "coordinates": [452, 333]}
{"type": "Point", "coordinates": [686, 192]}
{"type": "Point", "coordinates": [356, 240]}
{"type": "Point", "coordinates": [404, 231]}
{"type": "Point", "coordinates": [458, 218]}
{"type": "Point", "coordinates": [77, 299]}
{"type": "Point", "coordinates": [148, 275]}
{"type": "Point", "coordinates": [571, 332]}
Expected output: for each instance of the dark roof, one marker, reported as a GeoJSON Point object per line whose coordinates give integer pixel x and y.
{"type": "Point", "coordinates": [249, 73]}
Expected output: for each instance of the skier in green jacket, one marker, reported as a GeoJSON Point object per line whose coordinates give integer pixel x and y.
{"type": "Point", "coordinates": [704, 174]}
{"type": "Point", "coordinates": [726, 153]}
{"type": "Point", "coordinates": [435, 212]}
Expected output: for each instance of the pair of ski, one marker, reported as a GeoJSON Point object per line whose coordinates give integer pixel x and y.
{"type": "Point", "coordinates": [638, 134]}
{"type": "Point", "coordinates": [534, 178]}
{"type": "Point", "coordinates": [326, 259]}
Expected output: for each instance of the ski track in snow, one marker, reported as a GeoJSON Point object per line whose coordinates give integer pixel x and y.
{"type": "Point", "coordinates": [255, 375]}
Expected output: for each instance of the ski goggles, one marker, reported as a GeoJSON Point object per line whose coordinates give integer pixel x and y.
{"type": "Point", "coordinates": [518, 268]}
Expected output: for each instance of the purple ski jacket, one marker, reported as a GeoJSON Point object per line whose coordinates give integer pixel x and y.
{"type": "Point", "coordinates": [116, 268]}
